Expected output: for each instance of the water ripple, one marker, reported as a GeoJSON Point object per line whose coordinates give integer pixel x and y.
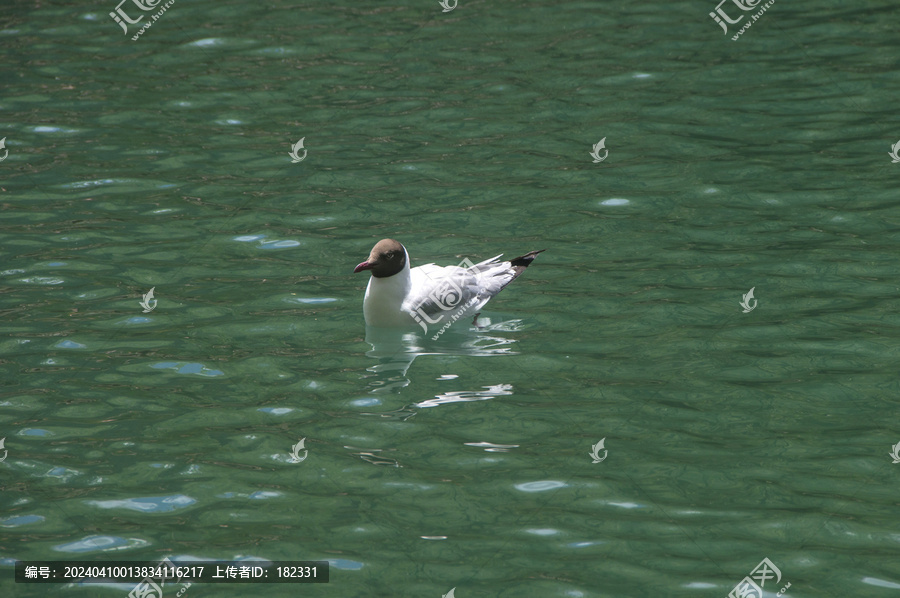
{"type": "Point", "coordinates": [187, 368]}
{"type": "Point", "coordinates": [149, 504]}
{"type": "Point", "coordinates": [101, 543]}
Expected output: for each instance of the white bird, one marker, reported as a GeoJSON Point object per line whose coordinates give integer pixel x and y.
{"type": "Point", "coordinates": [400, 296]}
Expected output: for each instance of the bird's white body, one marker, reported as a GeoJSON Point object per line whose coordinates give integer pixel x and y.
{"type": "Point", "coordinates": [385, 297]}
{"type": "Point", "coordinates": [433, 293]}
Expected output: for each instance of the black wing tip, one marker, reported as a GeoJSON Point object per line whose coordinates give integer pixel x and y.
{"type": "Point", "coordinates": [524, 260]}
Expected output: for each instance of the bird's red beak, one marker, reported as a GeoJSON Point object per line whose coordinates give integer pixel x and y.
{"type": "Point", "coordinates": [362, 266]}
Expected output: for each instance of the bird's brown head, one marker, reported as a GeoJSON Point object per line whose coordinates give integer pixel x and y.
{"type": "Point", "coordinates": [387, 258]}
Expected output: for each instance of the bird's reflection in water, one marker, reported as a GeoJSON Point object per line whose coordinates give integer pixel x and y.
{"type": "Point", "coordinates": [395, 350]}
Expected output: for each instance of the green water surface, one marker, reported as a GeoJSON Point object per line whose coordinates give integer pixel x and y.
{"type": "Point", "coordinates": [462, 462]}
